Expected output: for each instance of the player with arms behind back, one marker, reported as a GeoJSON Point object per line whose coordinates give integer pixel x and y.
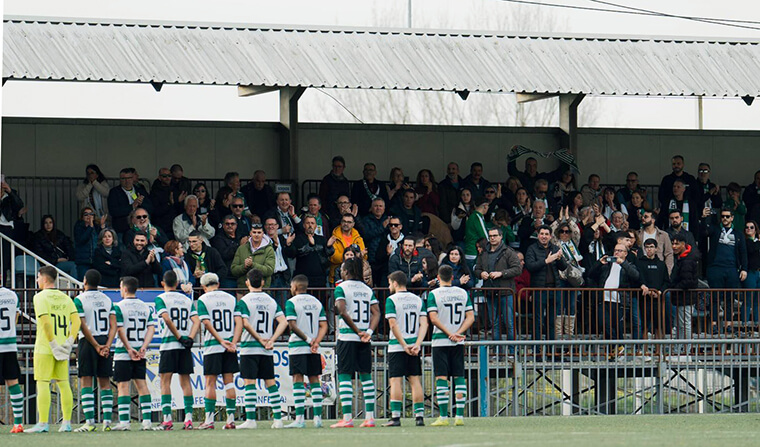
{"type": "Point", "coordinates": [255, 317]}
{"type": "Point", "coordinates": [450, 312]}
{"type": "Point", "coordinates": [136, 325]}
{"type": "Point", "coordinates": [95, 339]}
{"type": "Point", "coordinates": [407, 317]}
{"type": "Point", "coordinates": [9, 368]}
{"type": "Point", "coordinates": [57, 325]}
{"type": "Point", "coordinates": [359, 314]}
{"type": "Point", "coordinates": [216, 310]}
{"type": "Point", "coordinates": [308, 326]}
{"type": "Point", "coordinates": [178, 324]}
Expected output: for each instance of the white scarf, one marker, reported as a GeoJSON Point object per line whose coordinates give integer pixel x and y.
{"type": "Point", "coordinates": [394, 244]}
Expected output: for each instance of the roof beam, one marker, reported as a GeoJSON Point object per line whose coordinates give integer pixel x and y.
{"type": "Point", "coordinates": [252, 90]}
{"type": "Point", "coordinates": [530, 97]}
{"type": "Point", "coordinates": [289, 97]}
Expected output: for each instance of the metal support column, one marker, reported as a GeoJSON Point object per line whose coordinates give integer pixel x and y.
{"type": "Point", "coordinates": [568, 121]}
{"type": "Point", "coordinates": [289, 97]}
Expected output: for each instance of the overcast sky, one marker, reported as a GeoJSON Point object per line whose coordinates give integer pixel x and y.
{"type": "Point", "coordinates": [221, 103]}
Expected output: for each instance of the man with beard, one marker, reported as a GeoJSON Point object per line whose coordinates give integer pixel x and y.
{"type": "Point", "coordinates": [666, 191]}
{"type": "Point", "coordinates": [649, 231]}
{"type": "Point", "coordinates": [311, 252]}
{"type": "Point", "coordinates": [367, 190]}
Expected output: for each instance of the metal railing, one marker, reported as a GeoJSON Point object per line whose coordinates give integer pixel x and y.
{"type": "Point", "coordinates": [57, 196]}
{"type": "Point", "coordinates": [19, 267]}
{"type": "Point", "coordinates": [546, 378]}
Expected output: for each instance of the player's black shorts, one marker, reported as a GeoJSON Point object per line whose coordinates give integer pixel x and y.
{"type": "Point", "coordinates": [126, 370]}
{"type": "Point", "coordinates": [401, 364]}
{"type": "Point", "coordinates": [220, 363]}
{"type": "Point", "coordinates": [9, 369]}
{"type": "Point", "coordinates": [177, 361]}
{"type": "Point", "coordinates": [354, 357]}
{"type": "Point", "coordinates": [92, 364]}
{"type": "Point", "coordinates": [448, 361]}
{"type": "Point", "coordinates": [306, 364]}
{"type": "Point", "coordinates": [257, 366]}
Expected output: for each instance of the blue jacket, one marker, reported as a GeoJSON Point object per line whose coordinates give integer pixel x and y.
{"type": "Point", "coordinates": [85, 243]}
{"type": "Point", "coordinates": [740, 247]}
{"type": "Point", "coordinates": [373, 233]}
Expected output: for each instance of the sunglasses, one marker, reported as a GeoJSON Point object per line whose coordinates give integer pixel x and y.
{"type": "Point", "coordinates": [201, 190]}
{"type": "Point", "coordinates": [394, 225]}
{"type": "Point", "coordinates": [749, 227]}
{"type": "Point", "coordinates": [490, 192]}
{"type": "Point", "coordinates": [564, 231]}
{"type": "Point", "coordinates": [143, 216]}
{"type": "Point", "coordinates": [256, 226]}
{"type": "Point", "coordinates": [88, 214]}
{"type": "Point", "coordinates": [237, 206]}
{"type": "Point", "coordinates": [704, 171]}
{"type": "Point", "coordinates": [165, 175]}
{"type": "Point", "coordinates": [725, 216]}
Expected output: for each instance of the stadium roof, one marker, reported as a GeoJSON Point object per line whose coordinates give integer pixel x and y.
{"type": "Point", "coordinates": [281, 56]}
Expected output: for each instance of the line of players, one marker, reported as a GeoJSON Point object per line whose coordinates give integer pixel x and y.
{"type": "Point", "coordinates": [250, 325]}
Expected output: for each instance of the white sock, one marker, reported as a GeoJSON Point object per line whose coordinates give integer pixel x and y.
{"type": "Point", "coordinates": [230, 418]}
{"type": "Point", "coordinates": [370, 415]}
{"type": "Point", "coordinates": [167, 418]}
{"type": "Point", "coordinates": [189, 417]}
{"type": "Point", "coordinates": [346, 417]}
{"type": "Point", "coordinates": [299, 418]}
{"type": "Point", "coordinates": [209, 418]}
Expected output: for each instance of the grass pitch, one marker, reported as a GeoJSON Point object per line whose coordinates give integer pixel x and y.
{"type": "Point", "coordinates": [585, 431]}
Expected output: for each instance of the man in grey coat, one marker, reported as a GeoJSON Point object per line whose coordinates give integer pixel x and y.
{"type": "Point", "coordinates": [498, 267]}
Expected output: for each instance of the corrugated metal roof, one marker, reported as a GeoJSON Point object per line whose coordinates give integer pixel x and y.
{"type": "Point", "coordinates": [226, 54]}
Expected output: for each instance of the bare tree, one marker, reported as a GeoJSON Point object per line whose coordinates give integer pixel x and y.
{"type": "Point", "coordinates": [447, 108]}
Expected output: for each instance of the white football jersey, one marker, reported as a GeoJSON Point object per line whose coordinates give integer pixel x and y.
{"type": "Point", "coordinates": [307, 312]}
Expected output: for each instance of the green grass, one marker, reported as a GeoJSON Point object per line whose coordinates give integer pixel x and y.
{"type": "Point", "coordinates": [585, 431]}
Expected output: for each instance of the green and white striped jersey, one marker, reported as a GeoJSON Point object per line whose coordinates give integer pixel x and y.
{"type": "Point", "coordinates": [219, 308]}
{"type": "Point", "coordinates": [261, 310]}
{"type": "Point", "coordinates": [95, 307]}
{"type": "Point", "coordinates": [408, 309]}
{"type": "Point", "coordinates": [135, 316]}
{"type": "Point", "coordinates": [358, 298]}
{"type": "Point", "coordinates": [9, 310]}
{"type": "Point", "coordinates": [451, 303]}
{"type": "Point", "coordinates": [180, 309]}
{"type": "Point", "coordinates": [307, 312]}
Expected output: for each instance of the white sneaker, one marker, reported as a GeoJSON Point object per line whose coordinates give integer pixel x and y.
{"type": "Point", "coordinates": [317, 422]}
{"type": "Point", "coordinates": [39, 428]}
{"type": "Point", "coordinates": [122, 426]}
{"type": "Point", "coordinates": [146, 425]}
{"type": "Point", "coordinates": [65, 427]}
{"type": "Point", "coordinates": [248, 424]}
{"type": "Point", "coordinates": [277, 423]}
{"type": "Point", "coordinates": [87, 427]}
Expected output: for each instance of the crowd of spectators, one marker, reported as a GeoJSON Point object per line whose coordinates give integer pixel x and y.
{"type": "Point", "coordinates": [535, 229]}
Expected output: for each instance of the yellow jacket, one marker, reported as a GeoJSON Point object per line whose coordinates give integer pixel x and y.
{"type": "Point", "coordinates": [337, 257]}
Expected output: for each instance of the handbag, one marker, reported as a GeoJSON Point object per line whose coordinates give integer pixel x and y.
{"type": "Point", "coordinates": [572, 273]}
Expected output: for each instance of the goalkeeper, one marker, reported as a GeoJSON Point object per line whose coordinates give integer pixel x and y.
{"type": "Point", "coordinates": [57, 324]}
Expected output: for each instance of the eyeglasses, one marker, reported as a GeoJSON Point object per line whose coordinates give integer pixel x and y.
{"type": "Point", "coordinates": [564, 231]}
{"type": "Point", "coordinates": [142, 216]}
{"type": "Point", "coordinates": [201, 190]}
{"type": "Point", "coordinates": [349, 222]}
{"type": "Point", "coordinates": [237, 206]}
{"type": "Point", "coordinates": [230, 224]}
{"type": "Point", "coordinates": [492, 236]}
{"type": "Point", "coordinates": [704, 171]}
{"type": "Point", "coordinates": [165, 175]}
{"type": "Point", "coordinates": [88, 214]}
{"type": "Point", "coordinates": [344, 203]}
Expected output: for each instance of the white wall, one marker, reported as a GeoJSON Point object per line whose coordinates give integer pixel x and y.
{"type": "Point", "coordinates": [60, 148]}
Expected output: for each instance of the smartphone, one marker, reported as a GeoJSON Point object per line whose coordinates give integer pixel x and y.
{"type": "Point", "coordinates": [406, 179]}
{"type": "Point", "coordinates": [612, 259]}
